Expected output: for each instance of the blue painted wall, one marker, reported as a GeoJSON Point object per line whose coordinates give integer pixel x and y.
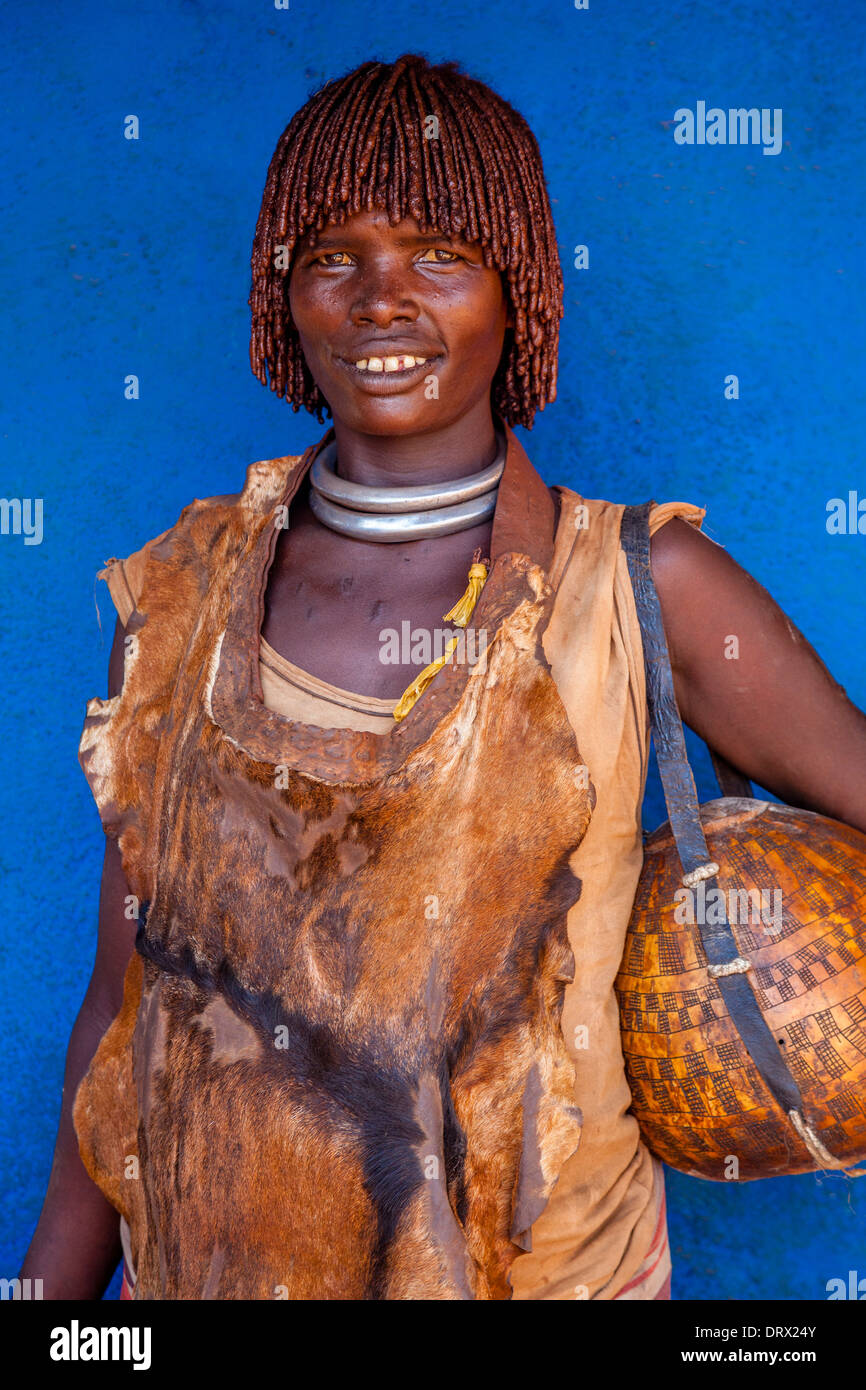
{"type": "Point", "coordinates": [124, 257]}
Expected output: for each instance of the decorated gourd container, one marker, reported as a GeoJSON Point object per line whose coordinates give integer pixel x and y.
{"type": "Point", "coordinates": [794, 886]}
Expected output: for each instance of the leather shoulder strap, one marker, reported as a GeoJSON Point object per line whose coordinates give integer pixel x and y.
{"type": "Point", "coordinates": [726, 966]}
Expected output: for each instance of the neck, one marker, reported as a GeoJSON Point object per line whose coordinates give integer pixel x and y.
{"type": "Point", "coordinates": [459, 448]}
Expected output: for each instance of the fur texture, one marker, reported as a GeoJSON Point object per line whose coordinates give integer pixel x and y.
{"type": "Point", "coordinates": [339, 1060]}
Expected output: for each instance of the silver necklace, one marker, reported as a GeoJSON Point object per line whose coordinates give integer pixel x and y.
{"type": "Point", "coordinates": [402, 513]}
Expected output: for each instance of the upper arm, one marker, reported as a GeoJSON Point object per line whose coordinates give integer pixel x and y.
{"type": "Point", "coordinates": [115, 939]}
{"type": "Point", "coordinates": [115, 660]}
{"type": "Point", "coordinates": [749, 683]}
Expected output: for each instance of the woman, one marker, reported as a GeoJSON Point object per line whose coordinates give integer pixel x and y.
{"type": "Point", "coordinates": [368, 1044]}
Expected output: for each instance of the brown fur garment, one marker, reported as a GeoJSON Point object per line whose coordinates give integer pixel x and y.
{"type": "Point", "coordinates": [342, 1060]}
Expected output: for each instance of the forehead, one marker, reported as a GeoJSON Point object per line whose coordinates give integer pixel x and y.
{"type": "Point", "coordinates": [374, 227]}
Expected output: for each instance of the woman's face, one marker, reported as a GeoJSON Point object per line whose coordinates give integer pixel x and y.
{"type": "Point", "coordinates": [368, 292]}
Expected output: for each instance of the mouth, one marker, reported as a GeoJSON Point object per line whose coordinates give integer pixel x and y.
{"type": "Point", "coordinates": [385, 373]}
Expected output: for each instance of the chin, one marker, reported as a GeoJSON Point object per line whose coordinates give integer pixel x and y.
{"type": "Point", "coordinates": [397, 414]}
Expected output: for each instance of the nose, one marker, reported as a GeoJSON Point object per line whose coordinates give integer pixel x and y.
{"type": "Point", "coordinates": [383, 296]}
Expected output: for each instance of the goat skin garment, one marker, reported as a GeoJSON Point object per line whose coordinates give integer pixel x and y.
{"type": "Point", "coordinates": [340, 1067]}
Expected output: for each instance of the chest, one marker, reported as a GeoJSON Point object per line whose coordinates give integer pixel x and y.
{"type": "Point", "coordinates": [366, 979]}
{"type": "Point", "coordinates": [367, 618]}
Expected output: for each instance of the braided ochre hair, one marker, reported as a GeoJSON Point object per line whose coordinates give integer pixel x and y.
{"type": "Point", "coordinates": [358, 144]}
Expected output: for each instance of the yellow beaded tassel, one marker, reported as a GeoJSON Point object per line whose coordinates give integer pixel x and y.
{"type": "Point", "coordinates": [459, 615]}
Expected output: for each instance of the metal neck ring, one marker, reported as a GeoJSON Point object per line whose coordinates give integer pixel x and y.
{"type": "Point", "coordinates": [360, 497]}
{"type": "Point", "coordinates": [408, 526]}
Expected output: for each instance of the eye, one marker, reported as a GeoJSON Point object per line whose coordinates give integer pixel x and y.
{"type": "Point", "coordinates": [329, 258]}
{"type": "Point", "coordinates": [439, 251]}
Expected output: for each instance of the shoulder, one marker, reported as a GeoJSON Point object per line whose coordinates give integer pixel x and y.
{"type": "Point", "coordinates": [191, 544]}
{"type": "Point", "coordinates": [126, 577]}
{"type": "Point", "coordinates": [671, 524]}
{"type": "Point", "coordinates": [600, 508]}
{"type": "Point", "coordinates": [696, 579]}
{"type": "Point", "coordinates": [706, 597]}
{"type": "Point", "coordinates": [685, 517]}
{"type": "Point", "coordinates": [682, 554]}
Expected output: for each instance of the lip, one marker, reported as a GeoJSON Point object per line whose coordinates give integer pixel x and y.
{"type": "Point", "coordinates": [384, 383]}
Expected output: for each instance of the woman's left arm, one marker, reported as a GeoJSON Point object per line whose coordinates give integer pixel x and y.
{"type": "Point", "coordinates": [749, 683]}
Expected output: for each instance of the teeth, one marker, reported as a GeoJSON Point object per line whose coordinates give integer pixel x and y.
{"type": "Point", "coordinates": [389, 364]}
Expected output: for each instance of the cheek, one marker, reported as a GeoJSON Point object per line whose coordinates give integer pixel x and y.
{"type": "Point", "coordinates": [299, 306]}
{"type": "Point", "coordinates": [480, 305]}
{"type": "Point", "coordinates": [310, 309]}
{"type": "Point", "coordinates": [496, 305]}
{"type": "Point", "coordinates": [488, 319]}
